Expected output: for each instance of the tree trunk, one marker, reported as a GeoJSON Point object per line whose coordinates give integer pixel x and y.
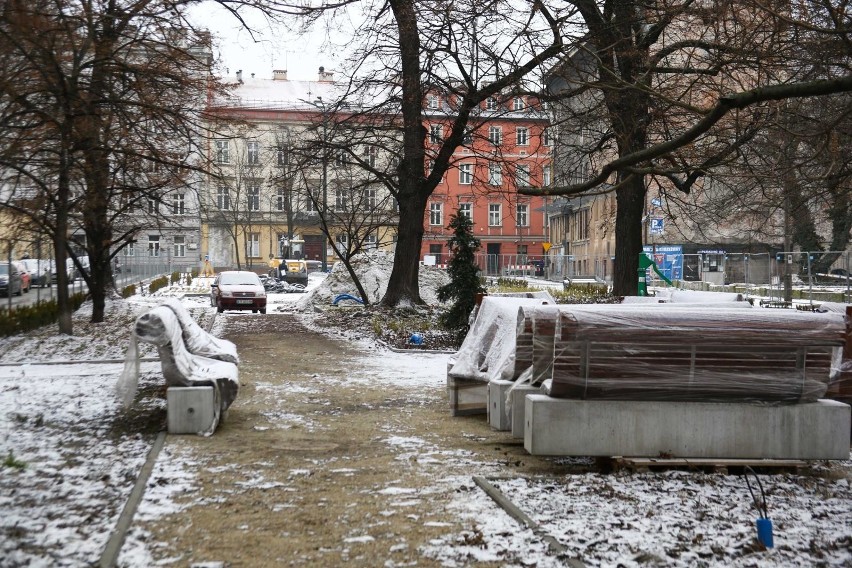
{"type": "Point", "coordinates": [404, 283]}
{"type": "Point", "coordinates": [630, 201]}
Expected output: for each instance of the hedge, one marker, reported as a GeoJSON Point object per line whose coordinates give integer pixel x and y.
{"type": "Point", "coordinates": [33, 316]}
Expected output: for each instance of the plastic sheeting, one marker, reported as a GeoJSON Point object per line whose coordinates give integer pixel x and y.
{"type": "Point", "coordinates": [488, 351]}
{"type": "Point", "coordinates": [189, 356]}
{"type": "Point", "coordinates": [695, 354]}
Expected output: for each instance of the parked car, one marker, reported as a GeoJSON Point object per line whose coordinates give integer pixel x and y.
{"type": "Point", "coordinates": [26, 277]}
{"type": "Point", "coordinates": [39, 271]}
{"type": "Point", "coordinates": [238, 290]}
{"type": "Point", "coordinates": [10, 279]}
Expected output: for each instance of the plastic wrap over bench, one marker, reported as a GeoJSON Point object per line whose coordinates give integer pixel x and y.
{"type": "Point", "coordinates": [190, 357]}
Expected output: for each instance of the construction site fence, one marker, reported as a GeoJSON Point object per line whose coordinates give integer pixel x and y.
{"type": "Point", "coordinates": [764, 274]}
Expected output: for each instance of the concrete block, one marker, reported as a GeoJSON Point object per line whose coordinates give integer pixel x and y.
{"type": "Point", "coordinates": [519, 408]}
{"type": "Point", "coordinates": [191, 410]}
{"type": "Point", "coordinates": [498, 415]}
{"type": "Point", "coordinates": [566, 427]}
{"type": "Point", "coordinates": [467, 396]}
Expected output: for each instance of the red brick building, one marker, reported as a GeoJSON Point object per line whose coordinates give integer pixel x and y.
{"type": "Point", "coordinates": [508, 146]}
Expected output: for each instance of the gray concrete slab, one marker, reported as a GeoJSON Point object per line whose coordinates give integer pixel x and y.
{"type": "Point", "coordinates": [191, 410]}
{"type": "Point", "coordinates": [566, 427]}
{"type": "Point", "coordinates": [519, 408]}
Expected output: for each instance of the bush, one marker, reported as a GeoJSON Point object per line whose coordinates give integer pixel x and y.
{"type": "Point", "coordinates": [26, 318]}
{"type": "Point", "coordinates": [128, 291]}
{"type": "Point", "coordinates": [175, 277]}
{"type": "Point", "coordinates": [158, 284]}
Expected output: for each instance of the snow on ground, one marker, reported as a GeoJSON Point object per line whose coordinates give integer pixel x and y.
{"type": "Point", "coordinates": [70, 461]}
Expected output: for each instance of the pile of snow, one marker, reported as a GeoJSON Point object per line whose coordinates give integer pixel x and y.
{"type": "Point", "coordinates": [373, 269]}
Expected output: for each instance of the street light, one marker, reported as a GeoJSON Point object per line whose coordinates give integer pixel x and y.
{"type": "Point", "coordinates": [324, 205]}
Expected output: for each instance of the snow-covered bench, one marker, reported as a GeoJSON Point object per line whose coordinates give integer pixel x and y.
{"type": "Point", "coordinates": [200, 370]}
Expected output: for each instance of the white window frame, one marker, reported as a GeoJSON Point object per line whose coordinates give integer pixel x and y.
{"type": "Point", "coordinates": [465, 174]}
{"type": "Point", "coordinates": [223, 152]}
{"type": "Point", "coordinates": [371, 154]}
{"type": "Point", "coordinates": [495, 215]}
{"type": "Point", "coordinates": [129, 250]}
{"type": "Point", "coordinates": [546, 175]}
{"type": "Point", "coordinates": [154, 245]}
{"type": "Point", "coordinates": [223, 198]}
{"type": "Point", "coordinates": [495, 174]}
{"type": "Point", "coordinates": [280, 199]}
{"type": "Point", "coordinates": [436, 214]}
{"type": "Point", "coordinates": [436, 133]}
{"type": "Point", "coordinates": [522, 215]}
{"type": "Point", "coordinates": [179, 246]}
{"type": "Point", "coordinates": [522, 136]}
{"type": "Point", "coordinates": [253, 152]}
{"type": "Point", "coordinates": [283, 156]}
{"type": "Point", "coordinates": [518, 103]}
{"type": "Point", "coordinates": [253, 196]}
{"type": "Point", "coordinates": [179, 204]}
{"type": "Point", "coordinates": [491, 103]}
{"type": "Point", "coordinates": [370, 197]}
{"type": "Point", "coordinates": [522, 175]}
{"type": "Point", "coordinates": [546, 138]}
{"type": "Point", "coordinates": [432, 102]}
{"type": "Point", "coordinates": [254, 245]}
{"type": "Point", "coordinates": [495, 135]}
{"type": "Point", "coordinates": [466, 209]}
{"type": "Point", "coordinates": [370, 240]}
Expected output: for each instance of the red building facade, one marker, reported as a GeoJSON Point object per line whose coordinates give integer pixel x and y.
{"type": "Point", "coordinates": [508, 146]}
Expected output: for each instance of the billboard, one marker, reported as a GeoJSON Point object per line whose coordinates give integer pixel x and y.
{"type": "Point", "coordinates": [668, 258]}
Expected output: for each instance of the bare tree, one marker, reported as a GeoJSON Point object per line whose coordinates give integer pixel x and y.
{"type": "Point", "coordinates": [667, 92]}
{"type": "Point", "coordinates": [113, 93]}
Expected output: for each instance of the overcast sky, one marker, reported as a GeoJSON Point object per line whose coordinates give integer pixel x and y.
{"type": "Point", "coordinates": [235, 49]}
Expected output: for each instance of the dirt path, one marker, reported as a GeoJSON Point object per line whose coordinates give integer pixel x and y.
{"type": "Point", "coordinates": [311, 470]}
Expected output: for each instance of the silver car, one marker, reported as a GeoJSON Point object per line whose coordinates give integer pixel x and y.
{"type": "Point", "coordinates": [11, 281]}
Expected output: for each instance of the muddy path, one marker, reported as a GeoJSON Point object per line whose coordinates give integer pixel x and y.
{"type": "Point", "coordinates": [312, 467]}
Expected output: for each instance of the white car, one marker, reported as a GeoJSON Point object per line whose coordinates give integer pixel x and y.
{"type": "Point", "coordinates": [39, 270]}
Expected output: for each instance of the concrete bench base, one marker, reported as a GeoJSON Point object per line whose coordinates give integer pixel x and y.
{"type": "Point", "coordinates": [519, 408]}
{"type": "Point", "coordinates": [498, 416]}
{"type": "Point", "coordinates": [566, 427]}
{"type": "Point", "coordinates": [467, 397]}
{"type": "Point", "coordinates": [192, 410]}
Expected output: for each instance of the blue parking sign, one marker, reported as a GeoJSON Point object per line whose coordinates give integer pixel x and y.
{"type": "Point", "coordinates": [656, 226]}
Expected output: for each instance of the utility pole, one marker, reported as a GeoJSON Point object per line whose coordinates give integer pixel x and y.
{"type": "Point", "coordinates": [324, 220]}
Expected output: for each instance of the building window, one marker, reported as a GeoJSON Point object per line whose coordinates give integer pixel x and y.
{"type": "Point", "coordinates": [522, 175]}
{"type": "Point", "coordinates": [466, 174]}
{"type": "Point", "coordinates": [371, 154]}
{"type": "Point", "coordinates": [436, 133]}
{"type": "Point", "coordinates": [432, 101]}
{"type": "Point", "coordinates": [179, 204]}
{"type": "Point", "coordinates": [283, 156]}
{"type": "Point", "coordinates": [341, 203]}
{"type": "Point", "coordinates": [490, 103]}
{"type": "Point", "coordinates": [436, 214]}
{"type": "Point", "coordinates": [280, 199]}
{"type": "Point", "coordinates": [370, 240]}
{"type": "Point", "coordinates": [546, 175]}
{"type": "Point", "coordinates": [153, 207]}
{"type": "Point", "coordinates": [370, 197]}
{"type": "Point", "coordinates": [310, 206]}
{"type": "Point", "coordinates": [495, 135]}
{"type": "Point", "coordinates": [546, 139]}
{"type": "Point", "coordinates": [223, 198]}
{"type": "Point", "coordinates": [522, 136]}
{"type": "Point", "coordinates": [153, 245]}
{"type": "Point", "coordinates": [254, 245]}
{"type": "Point", "coordinates": [468, 137]}
{"type": "Point", "coordinates": [340, 157]}
{"type": "Point", "coordinates": [342, 241]}
{"type": "Point", "coordinates": [495, 217]}
{"type": "Point", "coordinates": [437, 251]}
{"type": "Point", "coordinates": [130, 249]}
{"type": "Point", "coordinates": [466, 210]}
{"type": "Point", "coordinates": [523, 215]}
{"type": "Point", "coordinates": [180, 246]}
{"type": "Point", "coordinates": [253, 197]}
{"type": "Point", "coordinates": [495, 174]}
{"type": "Point", "coordinates": [518, 103]}
{"type": "Point", "coordinates": [253, 152]}
{"type": "Point", "coordinates": [223, 155]}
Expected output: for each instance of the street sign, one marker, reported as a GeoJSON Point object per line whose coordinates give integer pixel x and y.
{"type": "Point", "coordinates": [656, 227]}
{"type": "Point", "coordinates": [546, 246]}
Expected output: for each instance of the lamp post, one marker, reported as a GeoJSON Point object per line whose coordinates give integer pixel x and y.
{"type": "Point", "coordinates": [324, 204]}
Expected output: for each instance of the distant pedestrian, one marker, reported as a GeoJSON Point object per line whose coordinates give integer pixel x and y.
{"type": "Point", "coordinates": [207, 269]}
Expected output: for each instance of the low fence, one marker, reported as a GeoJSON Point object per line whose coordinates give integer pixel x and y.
{"type": "Point", "coordinates": [773, 274]}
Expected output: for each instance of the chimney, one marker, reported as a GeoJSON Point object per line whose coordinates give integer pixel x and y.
{"type": "Point", "coordinates": [240, 76]}
{"type": "Point", "coordinates": [325, 76]}
{"type": "Point", "coordinates": [279, 75]}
